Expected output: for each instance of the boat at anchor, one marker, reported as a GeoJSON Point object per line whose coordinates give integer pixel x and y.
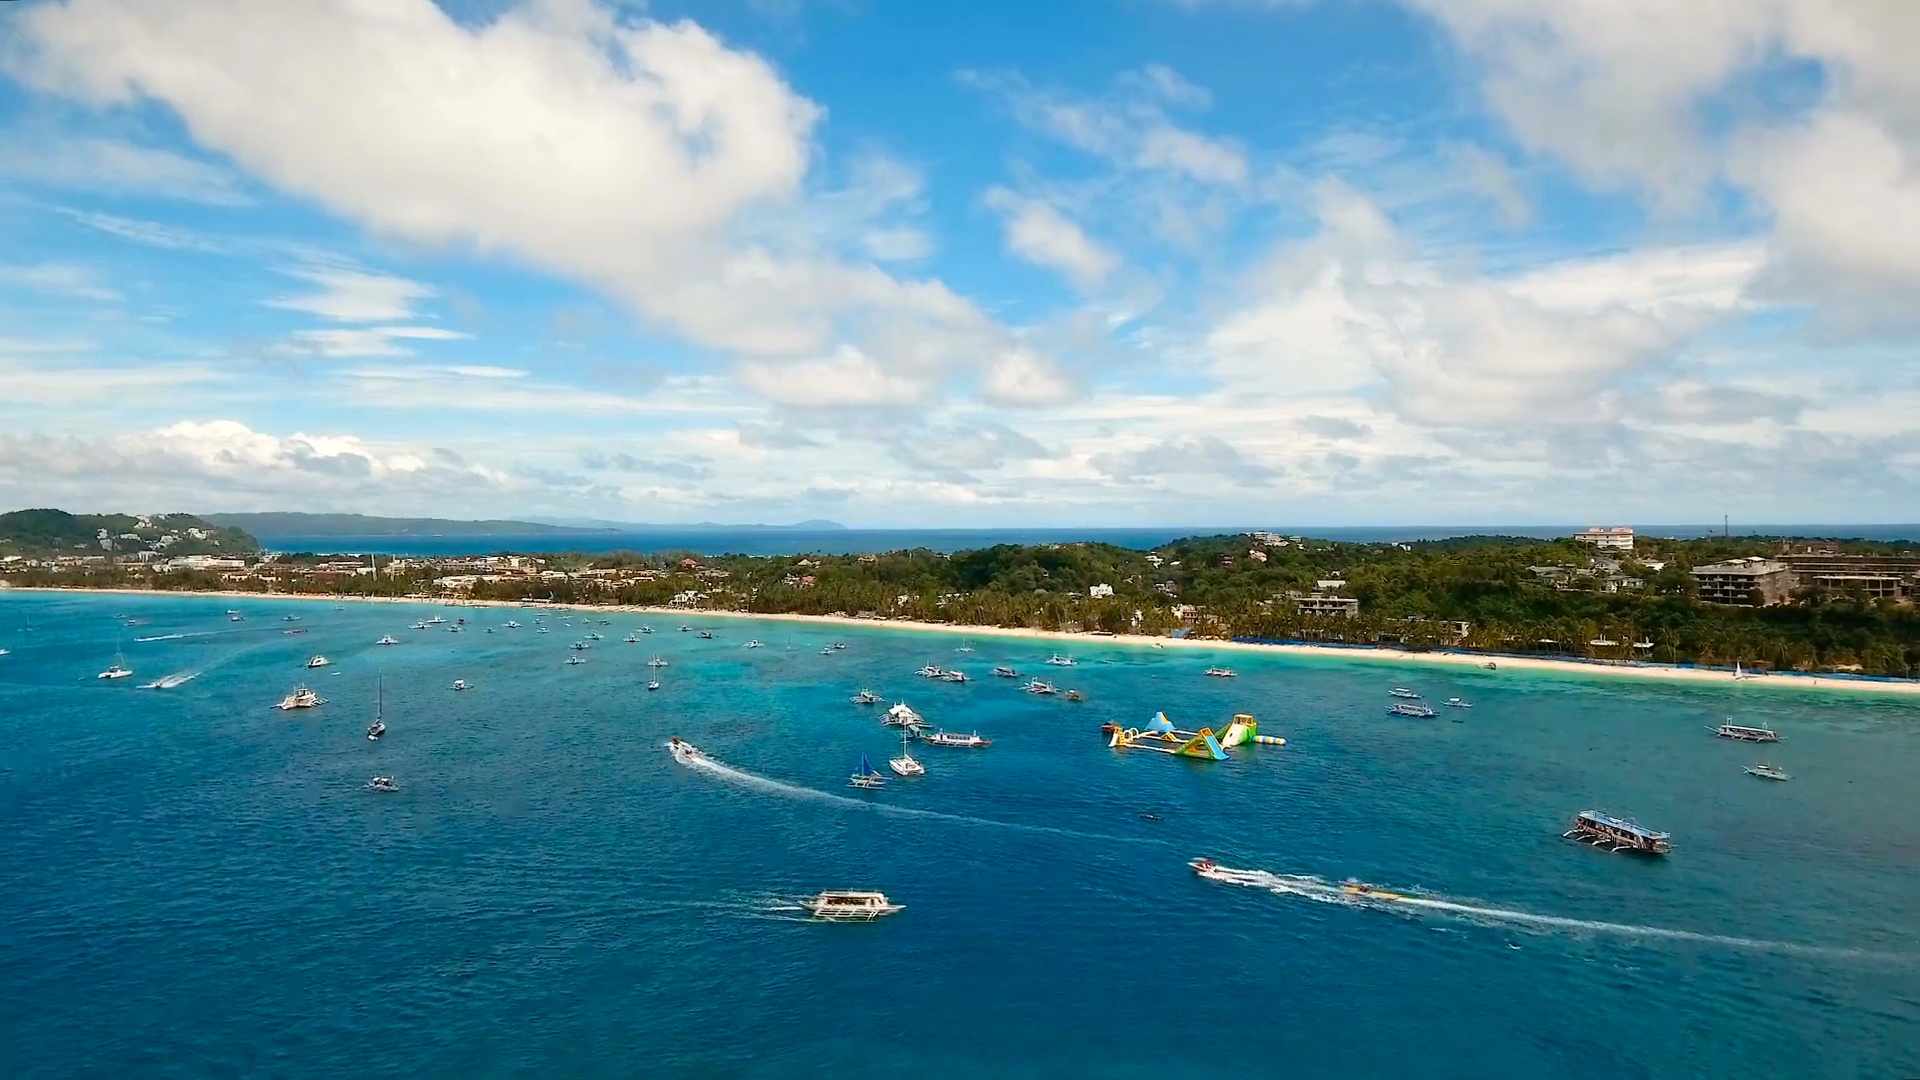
{"type": "Point", "coordinates": [301, 698]}
{"type": "Point", "coordinates": [1221, 672]}
{"type": "Point", "coordinates": [1767, 772]}
{"type": "Point", "coordinates": [1060, 660]}
{"type": "Point", "coordinates": [902, 715]}
{"type": "Point", "coordinates": [1743, 733]}
{"type": "Point", "coordinates": [865, 697]}
{"type": "Point", "coordinates": [1405, 708]}
{"type": "Point", "coordinates": [382, 783]}
{"type": "Point", "coordinates": [905, 764]}
{"type": "Point", "coordinates": [1004, 672]}
{"type": "Point", "coordinates": [1403, 692]}
{"type": "Point", "coordinates": [972, 740]}
{"type": "Point", "coordinates": [1039, 687]}
{"type": "Point", "coordinates": [387, 639]}
{"type": "Point", "coordinates": [1617, 834]}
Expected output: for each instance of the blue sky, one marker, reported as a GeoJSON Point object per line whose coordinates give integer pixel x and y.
{"type": "Point", "coordinates": [1132, 261]}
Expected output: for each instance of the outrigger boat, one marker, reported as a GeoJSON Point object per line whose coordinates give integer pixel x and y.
{"type": "Point", "coordinates": [1057, 660]}
{"type": "Point", "coordinates": [1402, 692]}
{"type": "Point", "coordinates": [970, 741]}
{"type": "Point", "coordinates": [301, 698]}
{"type": "Point", "coordinates": [1221, 672]}
{"type": "Point", "coordinates": [580, 646]}
{"type": "Point", "coordinates": [646, 629]}
{"type": "Point", "coordinates": [838, 646]}
{"type": "Point", "coordinates": [462, 684]}
{"type": "Point", "coordinates": [754, 644]}
{"type": "Point", "coordinates": [1617, 834]}
{"type": "Point", "coordinates": [1004, 672]}
{"type": "Point", "coordinates": [931, 671]}
{"type": "Point", "coordinates": [865, 697]}
{"type": "Point", "coordinates": [418, 625]}
{"type": "Point", "coordinates": [837, 906]}
{"type": "Point", "coordinates": [905, 765]}
{"type": "Point", "coordinates": [511, 625]}
{"type": "Point", "coordinates": [902, 715]}
{"type": "Point", "coordinates": [1457, 703]}
{"type": "Point", "coordinates": [632, 638]}
{"type": "Point", "coordinates": [1767, 772]}
{"type": "Point", "coordinates": [435, 621]}
{"type": "Point", "coordinates": [1038, 687]}
{"type": "Point", "coordinates": [383, 783]}
{"type": "Point", "coordinates": [706, 635]}
{"type": "Point", "coordinates": [318, 661]}
{"type": "Point", "coordinates": [656, 662]}
{"type": "Point", "coordinates": [576, 660]}
{"type": "Point", "coordinates": [1420, 712]}
{"type": "Point", "coordinates": [387, 639]}
{"type": "Point", "coordinates": [867, 776]}
{"type": "Point", "coordinates": [1743, 733]}
{"type": "Point", "coordinates": [685, 629]}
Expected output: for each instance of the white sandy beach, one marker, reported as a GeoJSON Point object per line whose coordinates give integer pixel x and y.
{"type": "Point", "coordinates": [1505, 662]}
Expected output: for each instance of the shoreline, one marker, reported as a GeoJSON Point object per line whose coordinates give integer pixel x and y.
{"type": "Point", "coordinates": [1506, 662]}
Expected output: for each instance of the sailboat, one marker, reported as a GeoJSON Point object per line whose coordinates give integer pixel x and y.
{"type": "Point", "coordinates": [379, 725]}
{"type": "Point", "coordinates": [119, 670]}
{"type": "Point", "coordinates": [905, 765]}
{"type": "Point", "coordinates": [1740, 673]}
{"type": "Point", "coordinates": [868, 776]}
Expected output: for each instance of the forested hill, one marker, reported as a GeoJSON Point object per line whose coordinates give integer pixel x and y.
{"type": "Point", "coordinates": [35, 532]}
{"type": "Point", "coordinates": [292, 524]}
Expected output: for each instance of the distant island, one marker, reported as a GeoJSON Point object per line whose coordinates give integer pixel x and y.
{"type": "Point", "coordinates": [50, 532]}
{"type": "Point", "coordinates": [1603, 595]}
{"type": "Point", "coordinates": [362, 525]}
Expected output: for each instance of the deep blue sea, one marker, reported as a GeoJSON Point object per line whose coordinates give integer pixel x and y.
{"type": "Point", "coordinates": [198, 885]}
{"type": "Point", "coordinates": [736, 541]}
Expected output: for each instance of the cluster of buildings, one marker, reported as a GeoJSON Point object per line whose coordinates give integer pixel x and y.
{"type": "Point", "coordinates": [1761, 580]}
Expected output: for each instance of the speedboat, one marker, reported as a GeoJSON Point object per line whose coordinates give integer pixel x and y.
{"type": "Point", "coordinates": [1361, 888]}
{"type": "Point", "coordinates": [1767, 772]}
{"type": "Point", "coordinates": [865, 697]}
{"type": "Point", "coordinates": [866, 776]}
{"type": "Point", "coordinates": [971, 741]}
{"type": "Point", "coordinates": [1220, 672]}
{"type": "Point", "coordinates": [1004, 672]}
{"type": "Point", "coordinates": [683, 751]}
{"type": "Point", "coordinates": [318, 661]}
{"type": "Point", "coordinates": [1457, 703]}
{"type": "Point", "coordinates": [905, 765]}
{"type": "Point", "coordinates": [1401, 708]}
{"type": "Point", "coordinates": [1402, 692]}
{"type": "Point", "coordinates": [902, 715]}
{"type": "Point", "coordinates": [382, 783]}
{"type": "Point", "coordinates": [301, 698]}
{"type": "Point", "coordinates": [851, 906]}
{"type": "Point", "coordinates": [461, 684]}
{"type": "Point", "coordinates": [654, 684]}
{"type": "Point", "coordinates": [387, 639]}
{"type": "Point", "coordinates": [1058, 660]}
{"type": "Point", "coordinates": [576, 660]}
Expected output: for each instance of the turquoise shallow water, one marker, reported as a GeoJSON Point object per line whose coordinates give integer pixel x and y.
{"type": "Point", "coordinates": [198, 885]}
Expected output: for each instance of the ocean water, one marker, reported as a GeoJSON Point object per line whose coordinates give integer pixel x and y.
{"type": "Point", "coordinates": [725, 541]}
{"type": "Point", "coordinates": [197, 885]}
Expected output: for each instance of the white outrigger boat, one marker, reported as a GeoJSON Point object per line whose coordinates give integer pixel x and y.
{"type": "Point", "coordinates": [1221, 672]}
{"type": "Point", "coordinates": [847, 906]}
{"type": "Point", "coordinates": [953, 675]}
{"type": "Point", "coordinates": [905, 765]}
{"type": "Point", "coordinates": [301, 698]}
{"type": "Point", "coordinates": [656, 662]}
{"type": "Point", "coordinates": [902, 715]}
{"type": "Point", "coordinates": [576, 660]}
{"type": "Point", "coordinates": [1457, 703]}
{"type": "Point", "coordinates": [382, 783]}
{"type": "Point", "coordinates": [318, 661]}
{"type": "Point", "coordinates": [753, 644]}
{"type": "Point", "coordinates": [1743, 733]}
{"type": "Point", "coordinates": [462, 684]}
{"type": "Point", "coordinates": [387, 639]}
{"type": "Point", "coordinates": [1004, 672]}
{"type": "Point", "coordinates": [632, 638]}
{"type": "Point", "coordinates": [1767, 772]}
{"type": "Point", "coordinates": [512, 625]}
{"type": "Point", "coordinates": [865, 697]}
{"type": "Point", "coordinates": [931, 671]}
{"type": "Point", "coordinates": [1039, 687]}
{"type": "Point", "coordinates": [1403, 692]}
{"type": "Point", "coordinates": [1059, 660]}
{"type": "Point", "coordinates": [435, 621]}
{"type": "Point", "coordinates": [683, 751]}
{"type": "Point", "coordinates": [866, 776]}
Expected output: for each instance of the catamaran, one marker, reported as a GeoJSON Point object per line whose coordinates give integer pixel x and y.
{"type": "Point", "coordinates": [301, 698]}
{"type": "Point", "coordinates": [851, 906]}
{"type": "Point", "coordinates": [119, 669]}
{"type": "Point", "coordinates": [379, 725]}
{"type": "Point", "coordinates": [905, 765]}
{"type": "Point", "coordinates": [867, 776]}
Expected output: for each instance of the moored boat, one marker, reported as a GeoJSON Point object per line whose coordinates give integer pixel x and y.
{"type": "Point", "coordinates": [1402, 692]}
{"type": "Point", "coordinates": [387, 639]}
{"type": "Point", "coordinates": [301, 698]}
{"type": "Point", "coordinates": [1457, 703]}
{"type": "Point", "coordinates": [1004, 672]}
{"type": "Point", "coordinates": [379, 725]}
{"type": "Point", "coordinates": [576, 660]}
{"type": "Point", "coordinates": [1221, 672]}
{"type": "Point", "coordinates": [1402, 708]}
{"type": "Point", "coordinates": [1744, 733]}
{"type": "Point", "coordinates": [753, 644]}
{"type": "Point", "coordinates": [931, 671]}
{"type": "Point", "coordinates": [656, 662]}
{"type": "Point", "coordinates": [953, 675]}
{"type": "Point", "coordinates": [1767, 772]}
{"type": "Point", "coordinates": [865, 697]}
{"type": "Point", "coordinates": [1075, 695]}
{"type": "Point", "coordinates": [1036, 686]}
{"type": "Point", "coordinates": [905, 764]}
{"type": "Point", "coordinates": [653, 684]}
{"type": "Point", "coordinates": [461, 684]}
{"type": "Point", "coordinates": [902, 715]}
{"type": "Point", "coordinates": [706, 635]}
{"type": "Point", "coordinates": [382, 783]}
{"type": "Point", "coordinates": [849, 906]}
{"type": "Point", "coordinates": [971, 740]}
{"type": "Point", "coordinates": [1060, 660]}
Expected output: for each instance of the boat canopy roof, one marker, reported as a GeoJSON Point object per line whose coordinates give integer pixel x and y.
{"type": "Point", "coordinates": [1621, 824]}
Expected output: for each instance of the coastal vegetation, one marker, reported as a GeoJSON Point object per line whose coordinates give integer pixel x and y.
{"type": "Point", "coordinates": [1485, 593]}
{"type": "Point", "coordinates": [37, 532]}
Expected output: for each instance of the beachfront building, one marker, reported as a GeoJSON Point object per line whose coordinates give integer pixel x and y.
{"type": "Point", "coordinates": [1612, 538]}
{"type": "Point", "coordinates": [1753, 581]}
{"type": "Point", "coordinates": [1344, 606]}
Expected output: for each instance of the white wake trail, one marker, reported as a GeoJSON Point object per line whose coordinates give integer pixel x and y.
{"type": "Point", "coordinates": [1323, 891]}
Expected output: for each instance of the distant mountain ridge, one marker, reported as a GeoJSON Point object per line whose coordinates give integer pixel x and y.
{"type": "Point", "coordinates": [810, 525]}
{"type": "Point", "coordinates": [299, 524]}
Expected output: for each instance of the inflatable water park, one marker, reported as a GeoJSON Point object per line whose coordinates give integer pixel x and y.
{"type": "Point", "coordinates": [1160, 736]}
